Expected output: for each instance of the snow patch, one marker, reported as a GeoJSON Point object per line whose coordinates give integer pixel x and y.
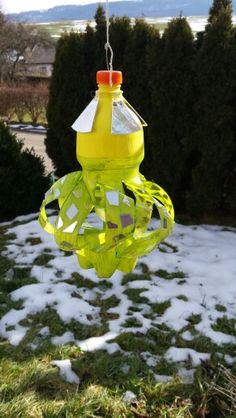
{"type": "Point", "coordinates": [175, 354]}
{"type": "Point", "coordinates": [66, 371]}
{"type": "Point", "coordinates": [129, 396]}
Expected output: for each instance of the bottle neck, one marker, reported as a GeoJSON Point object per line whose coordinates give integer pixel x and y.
{"type": "Point", "coordinates": [106, 89]}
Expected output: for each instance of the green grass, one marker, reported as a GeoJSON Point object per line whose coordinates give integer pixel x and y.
{"type": "Point", "coordinates": [194, 319]}
{"type": "Point", "coordinates": [132, 322]}
{"type": "Point", "coordinates": [33, 240]}
{"type": "Point", "coordinates": [160, 308]}
{"type": "Point", "coordinates": [165, 368]}
{"type": "Point", "coordinates": [170, 275]}
{"type": "Point", "coordinates": [43, 259]}
{"type": "Point", "coordinates": [220, 308]}
{"type": "Point", "coordinates": [135, 343]}
{"type": "Point", "coordinates": [31, 387]}
{"type": "Point", "coordinates": [80, 281]}
{"type": "Point", "coordinates": [19, 278]}
{"type": "Point", "coordinates": [166, 247]}
{"type": "Point", "coordinates": [225, 325]}
{"type": "Point", "coordinates": [5, 265]}
{"type": "Point", "coordinates": [135, 295]}
{"type": "Point", "coordinates": [182, 297]}
{"type": "Point", "coordinates": [131, 277]}
{"type": "Point", "coordinates": [105, 304]}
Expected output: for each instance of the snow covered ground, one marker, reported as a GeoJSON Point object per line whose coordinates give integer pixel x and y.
{"type": "Point", "coordinates": [26, 127]}
{"type": "Point", "coordinates": [197, 24]}
{"type": "Point", "coordinates": [186, 288]}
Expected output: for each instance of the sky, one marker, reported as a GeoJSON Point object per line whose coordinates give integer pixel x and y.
{"type": "Point", "coordinates": [16, 6]}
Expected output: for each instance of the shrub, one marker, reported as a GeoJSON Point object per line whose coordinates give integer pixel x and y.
{"type": "Point", "coordinates": [23, 181]}
{"type": "Point", "coordinates": [7, 99]}
{"type": "Point", "coordinates": [35, 98]}
{"type": "Point", "coordinates": [24, 100]}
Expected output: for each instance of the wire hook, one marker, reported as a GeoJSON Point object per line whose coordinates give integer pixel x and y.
{"type": "Point", "coordinates": [108, 47]}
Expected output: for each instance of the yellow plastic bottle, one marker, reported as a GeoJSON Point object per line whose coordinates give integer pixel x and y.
{"type": "Point", "coordinates": [102, 149]}
{"type": "Point", "coordinates": [110, 148]}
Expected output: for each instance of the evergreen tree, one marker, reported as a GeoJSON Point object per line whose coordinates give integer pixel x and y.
{"type": "Point", "coordinates": [100, 37]}
{"type": "Point", "coordinates": [230, 180]}
{"type": "Point", "coordinates": [171, 108]}
{"type": "Point", "coordinates": [138, 80]}
{"type": "Point", "coordinates": [217, 7]}
{"type": "Point", "coordinates": [90, 56]}
{"type": "Point", "coordinates": [120, 30]}
{"type": "Point", "coordinates": [100, 24]}
{"type": "Point", "coordinates": [23, 181]}
{"type": "Point", "coordinates": [69, 94]}
{"type": "Point", "coordinates": [214, 135]}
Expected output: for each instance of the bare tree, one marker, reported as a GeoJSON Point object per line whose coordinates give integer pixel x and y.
{"type": "Point", "coordinates": [16, 39]}
{"type": "Point", "coordinates": [23, 99]}
{"type": "Point", "coordinates": [7, 101]}
{"type": "Point", "coordinates": [35, 100]}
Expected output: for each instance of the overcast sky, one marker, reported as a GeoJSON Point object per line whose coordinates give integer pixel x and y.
{"type": "Point", "coordinates": [15, 6]}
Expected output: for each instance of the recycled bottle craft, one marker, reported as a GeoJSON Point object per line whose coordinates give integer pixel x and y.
{"type": "Point", "coordinates": [106, 209]}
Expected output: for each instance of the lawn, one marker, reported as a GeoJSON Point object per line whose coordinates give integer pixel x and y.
{"type": "Point", "coordinates": [158, 342]}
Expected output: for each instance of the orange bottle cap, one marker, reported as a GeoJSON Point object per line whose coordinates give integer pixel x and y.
{"type": "Point", "coordinates": [103, 77]}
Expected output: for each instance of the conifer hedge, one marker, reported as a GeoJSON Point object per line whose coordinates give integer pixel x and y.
{"type": "Point", "coordinates": [185, 88]}
{"type": "Point", "coordinates": [23, 181]}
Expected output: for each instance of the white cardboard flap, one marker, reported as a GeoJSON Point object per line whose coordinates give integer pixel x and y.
{"type": "Point", "coordinates": [84, 123]}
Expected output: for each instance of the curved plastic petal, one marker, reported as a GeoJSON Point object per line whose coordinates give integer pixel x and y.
{"type": "Point", "coordinates": [115, 234]}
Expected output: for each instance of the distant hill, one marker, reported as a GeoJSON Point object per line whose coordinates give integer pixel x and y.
{"type": "Point", "coordinates": [131, 8]}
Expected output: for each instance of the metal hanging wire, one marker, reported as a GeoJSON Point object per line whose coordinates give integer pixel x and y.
{"type": "Point", "coordinates": [108, 48]}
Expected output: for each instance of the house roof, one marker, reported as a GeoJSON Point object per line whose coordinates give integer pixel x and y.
{"type": "Point", "coordinates": [41, 55]}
